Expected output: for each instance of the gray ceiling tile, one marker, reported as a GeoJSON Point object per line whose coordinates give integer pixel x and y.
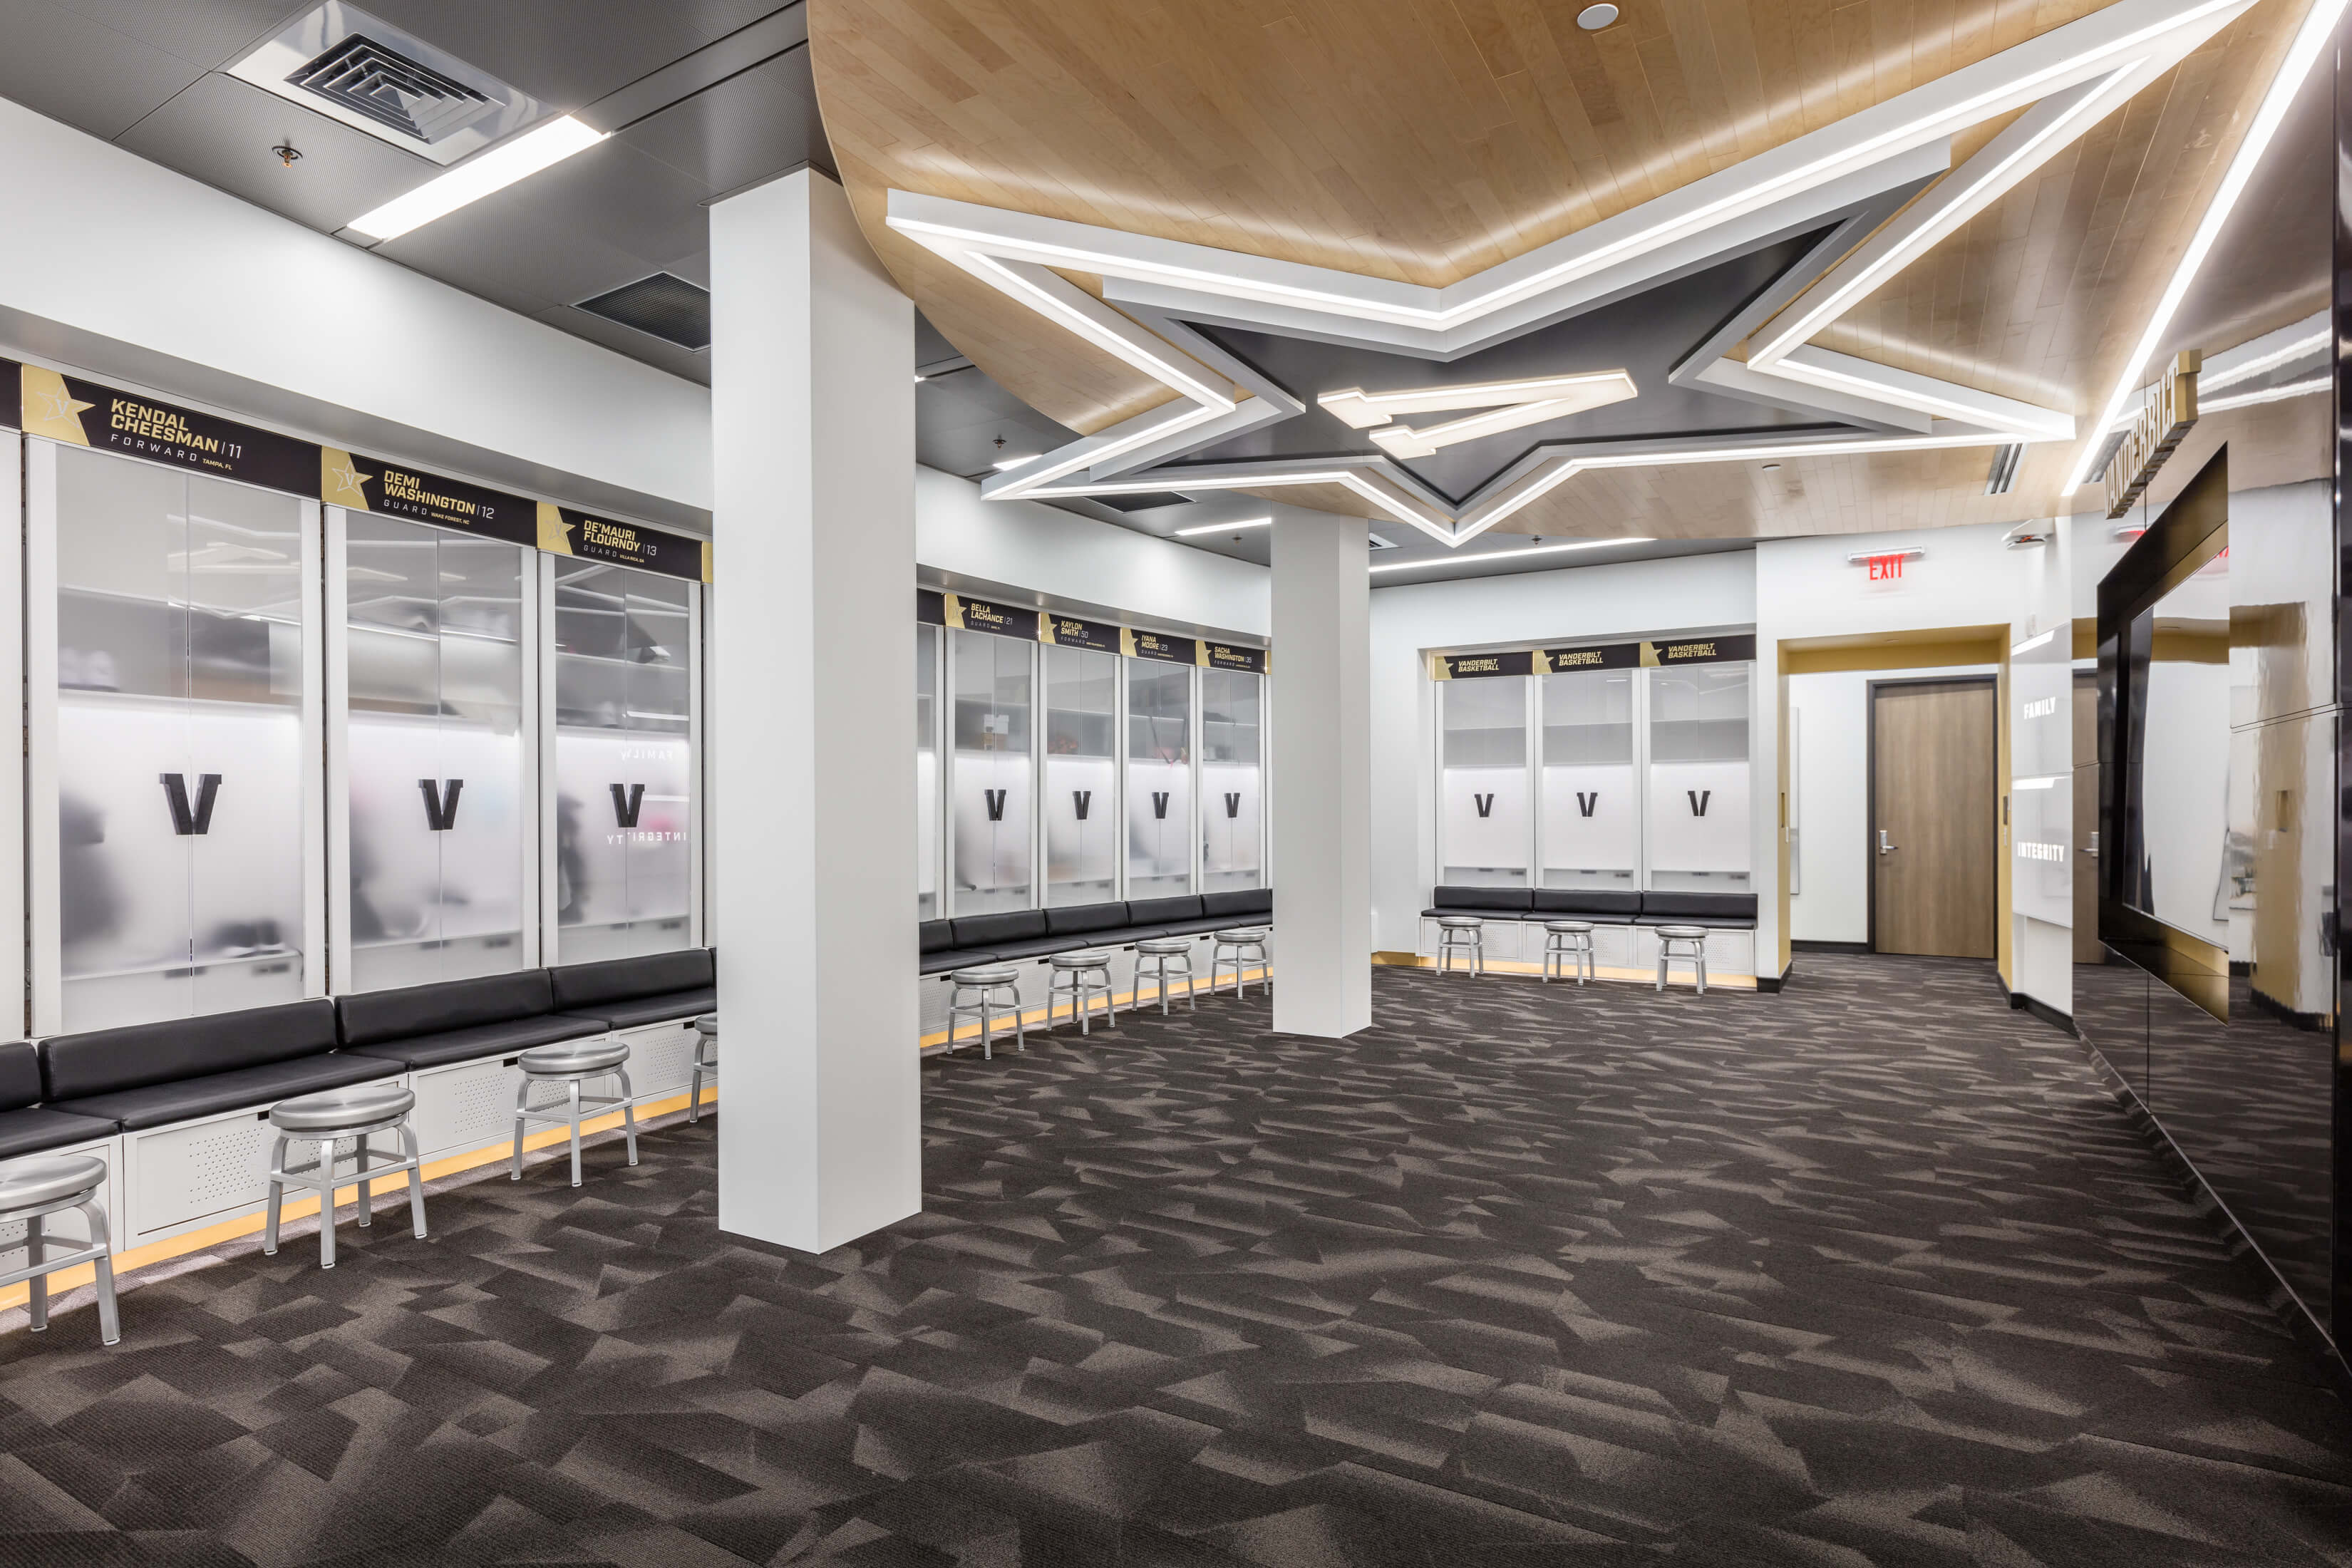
{"type": "Point", "coordinates": [694, 268]}
{"type": "Point", "coordinates": [744, 129]}
{"type": "Point", "coordinates": [524, 265]}
{"type": "Point", "coordinates": [568, 53]}
{"type": "Point", "coordinates": [652, 351]}
{"type": "Point", "coordinates": [62, 64]}
{"type": "Point", "coordinates": [630, 202]}
{"type": "Point", "coordinates": [221, 132]}
{"type": "Point", "coordinates": [212, 34]}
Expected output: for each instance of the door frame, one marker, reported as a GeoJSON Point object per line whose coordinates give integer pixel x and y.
{"type": "Point", "coordinates": [1870, 783]}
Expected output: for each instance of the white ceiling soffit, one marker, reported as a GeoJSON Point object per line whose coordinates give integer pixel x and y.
{"type": "Point", "coordinates": [2066, 80]}
{"type": "Point", "coordinates": [341, 62]}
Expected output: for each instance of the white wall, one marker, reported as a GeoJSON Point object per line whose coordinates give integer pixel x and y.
{"type": "Point", "coordinates": [121, 268]}
{"type": "Point", "coordinates": [1640, 598]}
{"type": "Point", "coordinates": [1027, 544]}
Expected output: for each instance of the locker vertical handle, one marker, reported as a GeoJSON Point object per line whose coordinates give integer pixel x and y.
{"type": "Point", "coordinates": [1885, 845]}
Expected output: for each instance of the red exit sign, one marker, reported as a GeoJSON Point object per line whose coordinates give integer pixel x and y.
{"type": "Point", "coordinates": [1885, 565]}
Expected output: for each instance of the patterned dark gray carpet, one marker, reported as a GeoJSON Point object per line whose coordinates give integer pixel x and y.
{"type": "Point", "coordinates": [1871, 1272]}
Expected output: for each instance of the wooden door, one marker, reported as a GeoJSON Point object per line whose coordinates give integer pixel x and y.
{"type": "Point", "coordinates": [1935, 817]}
{"type": "Point", "coordinates": [2087, 820]}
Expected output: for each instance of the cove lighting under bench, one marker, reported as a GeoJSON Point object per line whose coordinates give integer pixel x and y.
{"type": "Point", "coordinates": [179, 1110]}
{"type": "Point", "coordinates": [1624, 928]}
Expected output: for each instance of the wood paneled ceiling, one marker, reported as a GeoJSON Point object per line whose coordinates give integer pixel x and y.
{"type": "Point", "coordinates": [1423, 142]}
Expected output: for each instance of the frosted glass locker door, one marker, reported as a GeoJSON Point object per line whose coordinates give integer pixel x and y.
{"type": "Point", "coordinates": [1231, 761]}
{"type": "Point", "coordinates": [990, 677]}
{"type": "Point", "coordinates": [172, 741]}
{"type": "Point", "coordinates": [625, 666]}
{"type": "Point", "coordinates": [1698, 778]}
{"type": "Point", "coordinates": [1081, 789]}
{"type": "Point", "coordinates": [1483, 792]}
{"type": "Point", "coordinates": [1591, 828]}
{"type": "Point", "coordinates": [434, 765]}
{"type": "Point", "coordinates": [1159, 779]}
{"type": "Point", "coordinates": [926, 773]}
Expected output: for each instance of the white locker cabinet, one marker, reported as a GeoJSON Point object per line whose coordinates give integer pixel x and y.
{"type": "Point", "coordinates": [661, 1058]}
{"type": "Point", "coordinates": [65, 1230]}
{"type": "Point", "coordinates": [195, 1174]}
{"type": "Point", "coordinates": [465, 1106]}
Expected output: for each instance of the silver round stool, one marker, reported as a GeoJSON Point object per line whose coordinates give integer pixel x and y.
{"type": "Point", "coordinates": [32, 1189]}
{"type": "Point", "coordinates": [324, 1120]}
{"type": "Point", "coordinates": [1683, 941]}
{"type": "Point", "coordinates": [1239, 945]}
{"type": "Point", "coordinates": [1158, 951]}
{"type": "Point", "coordinates": [572, 1063]}
{"type": "Point", "coordinates": [1081, 975]}
{"type": "Point", "coordinates": [706, 1061]}
{"type": "Point", "coordinates": [1463, 935]}
{"type": "Point", "coordinates": [1566, 940]}
{"type": "Point", "coordinates": [972, 993]}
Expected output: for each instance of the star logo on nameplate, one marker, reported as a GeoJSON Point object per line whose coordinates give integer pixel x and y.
{"type": "Point", "coordinates": [345, 485]}
{"type": "Point", "coordinates": [50, 409]}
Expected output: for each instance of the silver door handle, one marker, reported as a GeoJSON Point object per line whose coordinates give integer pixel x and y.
{"type": "Point", "coordinates": [1885, 845]}
{"type": "Point", "coordinates": [2095, 844]}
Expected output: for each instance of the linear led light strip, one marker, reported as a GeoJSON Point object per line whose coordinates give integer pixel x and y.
{"type": "Point", "coordinates": [1484, 556]}
{"type": "Point", "coordinates": [2227, 369]}
{"type": "Point", "coordinates": [493, 169]}
{"type": "Point", "coordinates": [2310, 43]}
{"type": "Point", "coordinates": [980, 236]}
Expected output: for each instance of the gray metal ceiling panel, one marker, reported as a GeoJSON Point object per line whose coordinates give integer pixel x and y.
{"type": "Point", "coordinates": [652, 351]}
{"type": "Point", "coordinates": [221, 132]}
{"type": "Point", "coordinates": [60, 63]}
{"type": "Point", "coordinates": [205, 32]}
{"type": "Point", "coordinates": [569, 52]}
{"type": "Point", "coordinates": [744, 129]}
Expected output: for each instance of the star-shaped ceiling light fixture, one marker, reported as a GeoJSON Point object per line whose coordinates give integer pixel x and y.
{"type": "Point", "coordinates": [1869, 195]}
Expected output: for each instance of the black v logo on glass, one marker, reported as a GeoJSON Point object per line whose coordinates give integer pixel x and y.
{"type": "Point", "coordinates": [184, 821]}
{"type": "Point", "coordinates": [441, 804]}
{"type": "Point", "coordinates": [624, 804]}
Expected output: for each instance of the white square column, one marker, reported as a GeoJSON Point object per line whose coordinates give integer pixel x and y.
{"type": "Point", "coordinates": [812, 702]}
{"type": "Point", "coordinates": [1322, 765]}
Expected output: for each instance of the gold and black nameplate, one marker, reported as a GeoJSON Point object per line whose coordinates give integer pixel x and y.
{"type": "Point", "coordinates": [1651, 655]}
{"type": "Point", "coordinates": [564, 532]}
{"type": "Point", "coordinates": [1153, 646]}
{"type": "Point", "coordinates": [968, 614]}
{"type": "Point", "coordinates": [1224, 656]}
{"type": "Point", "coordinates": [79, 413]}
{"type": "Point", "coordinates": [1068, 631]}
{"type": "Point", "coordinates": [394, 489]}
{"type": "Point", "coordinates": [1700, 650]}
{"type": "Point", "coordinates": [1479, 666]}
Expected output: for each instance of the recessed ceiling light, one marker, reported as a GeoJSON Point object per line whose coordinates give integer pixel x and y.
{"type": "Point", "coordinates": [1593, 19]}
{"type": "Point", "coordinates": [1223, 527]}
{"type": "Point", "coordinates": [1769, 467]}
{"type": "Point", "coordinates": [478, 176]}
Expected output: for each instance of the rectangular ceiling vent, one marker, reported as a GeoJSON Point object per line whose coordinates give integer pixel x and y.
{"type": "Point", "coordinates": [664, 306]}
{"type": "Point", "coordinates": [1141, 501]}
{"type": "Point", "coordinates": [342, 63]}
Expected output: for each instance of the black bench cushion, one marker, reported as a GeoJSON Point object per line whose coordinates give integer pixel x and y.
{"type": "Point", "coordinates": [32, 1130]}
{"type": "Point", "coordinates": [995, 931]}
{"type": "Point", "coordinates": [1163, 911]}
{"type": "Point", "coordinates": [1588, 903]}
{"type": "Point", "coordinates": [1504, 902]}
{"type": "Point", "coordinates": [578, 988]}
{"type": "Point", "coordinates": [466, 1044]}
{"type": "Point", "coordinates": [373, 1017]}
{"type": "Point", "coordinates": [1080, 920]}
{"type": "Point", "coordinates": [160, 1104]}
{"type": "Point", "coordinates": [20, 1074]}
{"type": "Point", "coordinates": [640, 1010]}
{"type": "Point", "coordinates": [1727, 910]}
{"type": "Point", "coordinates": [109, 1061]}
{"type": "Point", "coordinates": [957, 958]}
{"type": "Point", "coordinates": [936, 936]}
{"type": "Point", "coordinates": [1235, 903]}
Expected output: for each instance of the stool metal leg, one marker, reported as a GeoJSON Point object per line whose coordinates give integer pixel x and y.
{"type": "Point", "coordinates": [571, 1100]}
{"type": "Point", "coordinates": [326, 1157]}
{"type": "Point", "coordinates": [109, 1317]}
{"type": "Point", "coordinates": [1700, 962]}
{"type": "Point", "coordinates": [277, 1197]}
{"type": "Point", "coordinates": [987, 1024]}
{"type": "Point", "coordinates": [408, 1146]}
{"type": "Point", "coordinates": [1662, 963]}
{"type": "Point", "coordinates": [360, 1156]}
{"type": "Point", "coordinates": [522, 1099]}
{"type": "Point", "coordinates": [37, 1302]}
{"type": "Point", "coordinates": [694, 1095]}
{"type": "Point", "coordinates": [628, 1112]}
{"type": "Point", "coordinates": [1020, 1024]}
